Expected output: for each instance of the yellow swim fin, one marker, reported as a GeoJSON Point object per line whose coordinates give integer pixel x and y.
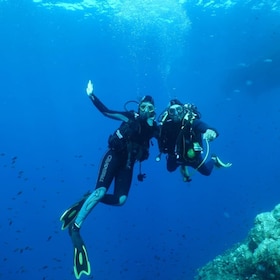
{"type": "Point", "coordinates": [71, 213]}
{"type": "Point", "coordinates": [81, 262]}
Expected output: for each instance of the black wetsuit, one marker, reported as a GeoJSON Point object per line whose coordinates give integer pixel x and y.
{"type": "Point", "coordinates": [176, 139]}
{"type": "Point", "coordinates": [129, 143]}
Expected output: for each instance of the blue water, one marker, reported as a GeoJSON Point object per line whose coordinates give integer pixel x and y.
{"type": "Point", "coordinates": [223, 57]}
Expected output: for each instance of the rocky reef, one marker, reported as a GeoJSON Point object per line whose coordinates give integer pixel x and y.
{"type": "Point", "coordinates": [258, 257]}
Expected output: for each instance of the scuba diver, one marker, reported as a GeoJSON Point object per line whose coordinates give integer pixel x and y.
{"type": "Point", "coordinates": [128, 144]}
{"type": "Point", "coordinates": [181, 134]}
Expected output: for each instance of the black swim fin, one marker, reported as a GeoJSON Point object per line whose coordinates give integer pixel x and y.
{"type": "Point", "coordinates": [71, 213]}
{"type": "Point", "coordinates": [81, 262]}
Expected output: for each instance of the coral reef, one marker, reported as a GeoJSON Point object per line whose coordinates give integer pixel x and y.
{"type": "Point", "coordinates": [258, 257]}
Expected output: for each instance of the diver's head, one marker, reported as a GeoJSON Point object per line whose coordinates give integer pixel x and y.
{"type": "Point", "coordinates": [176, 110]}
{"type": "Point", "coordinates": [146, 108]}
{"type": "Point", "coordinates": [175, 102]}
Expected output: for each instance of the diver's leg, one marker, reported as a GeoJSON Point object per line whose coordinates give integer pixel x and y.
{"type": "Point", "coordinates": [171, 163]}
{"type": "Point", "coordinates": [122, 185]}
{"type": "Point", "coordinates": [105, 178]}
{"type": "Point", "coordinates": [89, 204]}
{"type": "Point", "coordinates": [206, 168]}
{"type": "Point", "coordinates": [185, 173]}
{"type": "Point", "coordinates": [219, 163]}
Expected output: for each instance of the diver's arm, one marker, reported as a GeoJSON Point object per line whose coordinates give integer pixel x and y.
{"type": "Point", "coordinates": [200, 126]}
{"type": "Point", "coordinates": [116, 115]}
{"type": "Point", "coordinates": [208, 132]}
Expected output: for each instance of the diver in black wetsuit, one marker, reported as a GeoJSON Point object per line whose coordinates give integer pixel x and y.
{"type": "Point", "coordinates": [128, 144]}
{"type": "Point", "coordinates": [181, 138]}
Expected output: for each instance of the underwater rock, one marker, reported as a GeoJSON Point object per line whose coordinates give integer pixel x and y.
{"type": "Point", "coordinates": [258, 257]}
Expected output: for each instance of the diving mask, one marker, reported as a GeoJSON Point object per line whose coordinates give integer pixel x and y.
{"type": "Point", "coordinates": [146, 107]}
{"type": "Point", "coordinates": [175, 110]}
{"type": "Point", "coordinates": [147, 111]}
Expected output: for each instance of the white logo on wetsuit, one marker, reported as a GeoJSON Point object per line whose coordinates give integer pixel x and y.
{"type": "Point", "coordinates": [105, 167]}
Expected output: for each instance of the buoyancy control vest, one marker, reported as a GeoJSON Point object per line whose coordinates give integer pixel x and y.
{"type": "Point", "coordinates": [175, 136]}
{"type": "Point", "coordinates": [133, 137]}
{"type": "Point", "coordinates": [189, 143]}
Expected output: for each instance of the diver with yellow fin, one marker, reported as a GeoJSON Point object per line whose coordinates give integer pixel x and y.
{"type": "Point", "coordinates": [127, 145]}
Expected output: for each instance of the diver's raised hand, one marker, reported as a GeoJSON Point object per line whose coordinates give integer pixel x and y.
{"type": "Point", "coordinates": [89, 88]}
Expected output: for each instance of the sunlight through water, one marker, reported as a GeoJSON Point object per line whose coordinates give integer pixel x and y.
{"type": "Point", "coordinates": [137, 23]}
